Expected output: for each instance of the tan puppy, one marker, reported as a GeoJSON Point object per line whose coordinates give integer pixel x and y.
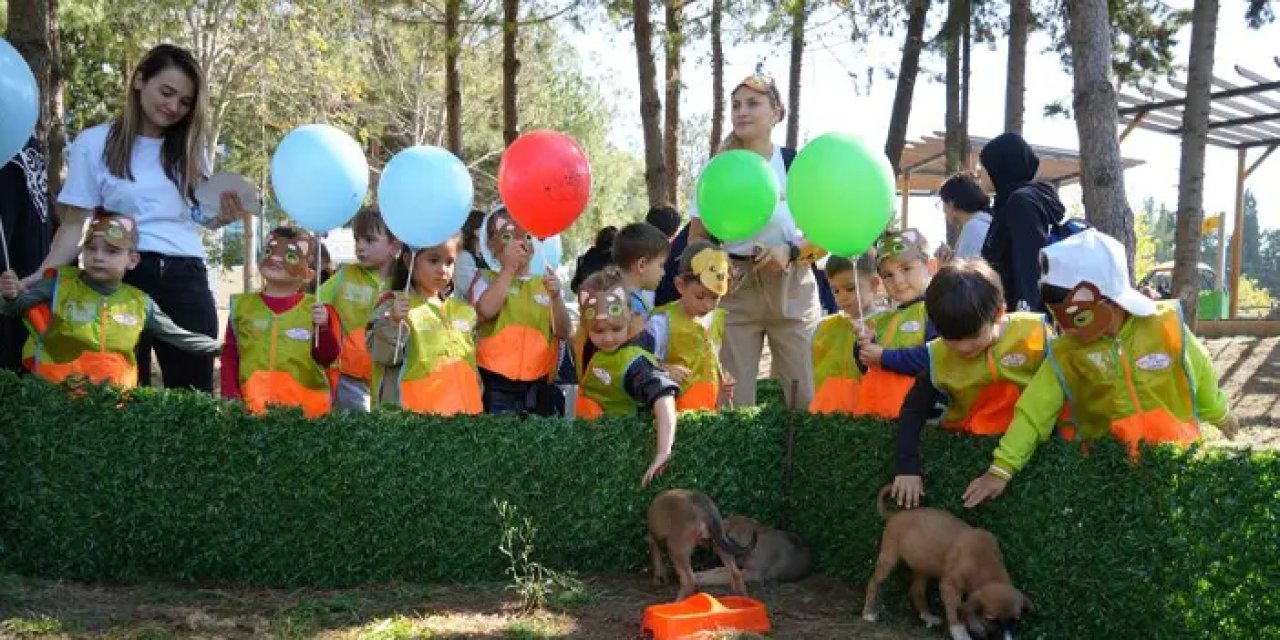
{"type": "Point", "coordinates": [964, 560]}
{"type": "Point", "coordinates": [778, 556]}
{"type": "Point", "coordinates": [682, 520]}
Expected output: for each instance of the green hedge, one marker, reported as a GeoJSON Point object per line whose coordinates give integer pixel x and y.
{"type": "Point", "coordinates": [177, 485]}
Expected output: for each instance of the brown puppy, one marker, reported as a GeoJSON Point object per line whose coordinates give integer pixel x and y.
{"type": "Point", "coordinates": [683, 520]}
{"type": "Point", "coordinates": [964, 560]}
{"type": "Point", "coordinates": [778, 556]}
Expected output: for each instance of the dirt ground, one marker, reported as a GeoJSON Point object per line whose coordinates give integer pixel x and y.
{"type": "Point", "coordinates": [817, 608]}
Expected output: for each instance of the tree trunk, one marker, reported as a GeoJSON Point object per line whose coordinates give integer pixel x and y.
{"type": "Point", "coordinates": [655, 170]}
{"type": "Point", "coordinates": [1094, 104]}
{"type": "Point", "coordinates": [33, 31]}
{"type": "Point", "coordinates": [957, 10]}
{"type": "Point", "coordinates": [798, 11]}
{"type": "Point", "coordinates": [1015, 86]}
{"type": "Point", "coordinates": [908, 69]}
{"type": "Point", "coordinates": [717, 76]}
{"type": "Point", "coordinates": [510, 70]}
{"type": "Point", "coordinates": [452, 77]}
{"type": "Point", "coordinates": [966, 73]}
{"type": "Point", "coordinates": [1195, 129]}
{"type": "Point", "coordinates": [671, 134]}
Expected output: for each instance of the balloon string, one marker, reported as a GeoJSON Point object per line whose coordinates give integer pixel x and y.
{"type": "Point", "coordinates": [4, 244]}
{"type": "Point", "coordinates": [408, 283]}
{"type": "Point", "coordinates": [319, 269]}
{"type": "Point", "coordinates": [857, 294]}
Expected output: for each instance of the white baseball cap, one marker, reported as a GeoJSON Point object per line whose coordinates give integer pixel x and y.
{"type": "Point", "coordinates": [1097, 258]}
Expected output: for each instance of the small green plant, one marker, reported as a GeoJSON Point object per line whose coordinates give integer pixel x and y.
{"type": "Point", "coordinates": [30, 627]}
{"type": "Point", "coordinates": [397, 628]}
{"type": "Point", "coordinates": [537, 585]}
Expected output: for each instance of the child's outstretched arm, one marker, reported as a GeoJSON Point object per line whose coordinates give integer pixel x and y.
{"type": "Point", "coordinates": [652, 387]}
{"type": "Point", "coordinates": [387, 336]}
{"type": "Point", "coordinates": [229, 373]}
{"type": "Point", "coordinates": [664, 420]}
{"type": "Point", "coordinates": [16, 298]}
{"type": "Point", "coordinates": [908, 484]}
{"type": "Point", "coordinates": [1212, 404]}
{"type": "Point", "coordinates": [328, 344]}
{"type": "Point", "coordinates": [161, 327]}
{"type": "Point", "coordinates": [909, 361]}
{"type": "Point", "coordinates": [1034, 418]}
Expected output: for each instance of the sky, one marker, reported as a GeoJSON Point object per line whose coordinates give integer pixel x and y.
{"type": "Point", "coordinates": [830, 101]}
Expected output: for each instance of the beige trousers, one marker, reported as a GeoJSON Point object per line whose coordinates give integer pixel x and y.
{"type": "Point", "coordinates": [783, 307]}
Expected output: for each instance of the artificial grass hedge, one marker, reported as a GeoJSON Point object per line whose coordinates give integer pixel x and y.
{"type": "Point", "coordinates": [177, 485]}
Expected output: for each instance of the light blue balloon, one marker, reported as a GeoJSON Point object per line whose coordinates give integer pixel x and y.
{"type": "Point", "coordinates": [548, 253]}
{"type": "Point", "coordinates": [425, 195]}
{"type": "Point", "coordinates": [19, 101]}
{"type": "Point", "coordinates": [320, 177]}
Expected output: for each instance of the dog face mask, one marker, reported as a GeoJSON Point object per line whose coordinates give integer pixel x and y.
{"type": "Point", "coordinates": [293, 255]}
{"type": "Point", "coordinates": [1084, 313]}
{"type": "Point", "coordinates": [711, 267]}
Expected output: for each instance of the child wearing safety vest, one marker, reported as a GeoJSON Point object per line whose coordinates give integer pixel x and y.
{"type": "Point", "coordinates": [281, 341]}
{"type": "Point", "coordinates": [90, 320]}
{"type": "Point", "coordinates": [617, 371]}
{"type": "Point", "coordinates": [353, 291]}
{"type": "Point", "coordinates": [978, 366]}
{"type": "Point", "coordinates": [520, 318]}
{"type": "Point", "coordinates": [687, 332]}
{"type": "Point", "coordinates": [1125, 365]}
{"type": "Point", "coordinates": [836, 376]}
{"type": "Point", "coordinates": [421, 339]}
{"type": "Point", "coordinates": [894, 352]}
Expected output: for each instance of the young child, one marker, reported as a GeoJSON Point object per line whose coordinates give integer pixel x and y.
{"type": "Point", "coordinates": [521, 316]}
{"type": "Point", "coordinates": [687, 333]}
{"type": "Point", "coordinates": [280, 341]}
{"type": "Point", "coordinates": [640, 251]}
{"type": "Point", "coordinates": [422, 342]}
{"type": "Point", "coordinates": [617, 372]}
{"type": "Point", "coordinates": [896, 353]}
{"type": "Point", "coordinates": [1124, 364]}
{"type": "Point", "coordinates": [978, 366]}
{"type": "Point", "coordinates": [353, 291]}
{"type": "Point", "coordinates": [92, 320]}
{"type": "Point", "coordinates": [836, 375]}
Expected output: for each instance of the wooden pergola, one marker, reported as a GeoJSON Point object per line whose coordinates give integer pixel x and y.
{"type": "Point", "coordinates": [924, 166]}
{"type": "Point", "coordinates": [1242, 116]}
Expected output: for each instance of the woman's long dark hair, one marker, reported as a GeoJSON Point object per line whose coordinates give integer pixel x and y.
{"type": "Point", "coordinates": [964, 193]}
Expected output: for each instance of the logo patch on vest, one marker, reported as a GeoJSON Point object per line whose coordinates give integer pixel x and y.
{"type": "Point", "coordinates": [1154, 362]}
{"type": "Point", "coordinates": [542, 299]}
{"type": "Point", "coordinates": [1099, 360]}
{"type": "Point", "coordinates": [1014, 360]}
{"type": "Point", "coordinates": [359, 294]}
{"type": "Point", "coordinates": [298, 333]}
{"type": "Point", "coordinates": [461, 325]}
{"type": "Point", "coordinates": [602, 375]}
{"type": "Point", "coordinates": [910, 326]}
{"type": "Point", "coordinates": [126, 319]}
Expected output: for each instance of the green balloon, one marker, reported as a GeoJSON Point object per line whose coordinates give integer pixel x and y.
{"type": "Point", "coordinates": [840, 193]}
{"type": "Point", "coordinates": [737, 194]}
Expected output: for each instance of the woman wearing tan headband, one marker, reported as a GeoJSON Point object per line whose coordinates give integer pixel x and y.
{"type": "Point", "coordinates": [775, 297]}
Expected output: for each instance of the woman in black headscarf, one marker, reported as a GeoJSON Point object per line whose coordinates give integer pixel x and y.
{"type": "Point", "coordinates": [28, 229]}
{"type": "Point", "coordinates": [1024, 215]}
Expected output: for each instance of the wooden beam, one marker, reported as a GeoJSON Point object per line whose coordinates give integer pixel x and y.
{"type": "Point", "coordinates": [1236, 235]}
{"type": "Point", "coordinates": [1216, 141]}
{"type": "Point", "coordinates": [922, 162]}
{"type": "Point", "coordinates": [1261, 159]}
{"type": "Point", "coordinates": [1133, 124]}
{"type": "Point", "coordinates": [1178, 102]}
{"type": "Point", "coordinates": [1263, 100]}
{"type": "Point", "coordinates": [1222, 124]}
{"type": "Point", "coordinates": [906, 196]}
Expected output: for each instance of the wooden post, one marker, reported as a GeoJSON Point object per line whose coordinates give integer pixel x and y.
{"type": "Point", "coordinates": [250, 252]}
{"type": "Point", "coordinates": [1133, 124]}
{"type": "Point", "coordinates": [1237, 228]}
{"type": "Point", "coordinates": [904, 185]}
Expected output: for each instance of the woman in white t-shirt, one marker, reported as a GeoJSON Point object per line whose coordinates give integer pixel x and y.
{"type": "Point", "coordinates": [967, 206]}
{"type": "Point", "coordinates": [146, 164]}
{"type": "Point", "coordinates": [777, 294]}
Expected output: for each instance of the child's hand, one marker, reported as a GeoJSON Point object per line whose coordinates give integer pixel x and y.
{"type": "Point", "coordinates": [678, 373]}
{"type": "Point", "coordinates": [400, 309]}
{"type": "Point", "coordinates": [907, 491]}
{"type": "Point", "coordinates": [656, 468]}
{"type": "Point", "coordinates": [552, 282]}
{"type": "Point", "coordinates": [985, 487]}
{"type": "Point", "coordinates": [320, 315]}
{"type": "Point", "coordinates": [870, 354]}
{"type": "Point", "coordinates": [515, 256]}
{"type": "Point", "coordinates": [10, 286]}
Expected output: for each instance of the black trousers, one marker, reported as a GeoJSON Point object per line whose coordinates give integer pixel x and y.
{"type": "Point", "coordinates": [180, 287]}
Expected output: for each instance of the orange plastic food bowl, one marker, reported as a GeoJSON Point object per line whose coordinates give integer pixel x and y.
{"type": "Point", "coordinates": [703, 612]}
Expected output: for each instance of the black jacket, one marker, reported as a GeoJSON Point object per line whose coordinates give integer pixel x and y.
{"type": "Point", "coordinates": [1025, 213]}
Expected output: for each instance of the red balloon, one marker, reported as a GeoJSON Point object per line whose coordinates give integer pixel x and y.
{"type": "Point", "coordinates": [544, 181]}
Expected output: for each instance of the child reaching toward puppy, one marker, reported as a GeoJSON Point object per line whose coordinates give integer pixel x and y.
{"type": "Point", "coordinates": [617, 372]}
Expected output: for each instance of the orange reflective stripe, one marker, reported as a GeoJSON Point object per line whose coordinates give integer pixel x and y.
{"type": "Point", "coordinates": [587, 409]}
{"type": "Point", "coordinates": [992, 411]}
{"type": "Point", "coordinates": [991, 366]}
{"type": "Point", "coordinates": [452, 388]}
{"type": "Point", "coordinates": [97, 367]}
{"type": "Point", "coordinates": [701, 396]}
{"type": "Point", "coordinates": [517, 352]}
{"type": "Point", "coordinates": [893, 329]}
{"type": "Point", "coordinates": [882, 393]}
{"type": "Point", "coordinates": [265, 388]}
{"type": "Point", "coordinates": [836, 395]}
{"type": "Point", "coordinates": [38, 318]}
{"type": "Point", "coordinates": [1154, 426]}
{"type": "Point", "coordinates": [355, 361]}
